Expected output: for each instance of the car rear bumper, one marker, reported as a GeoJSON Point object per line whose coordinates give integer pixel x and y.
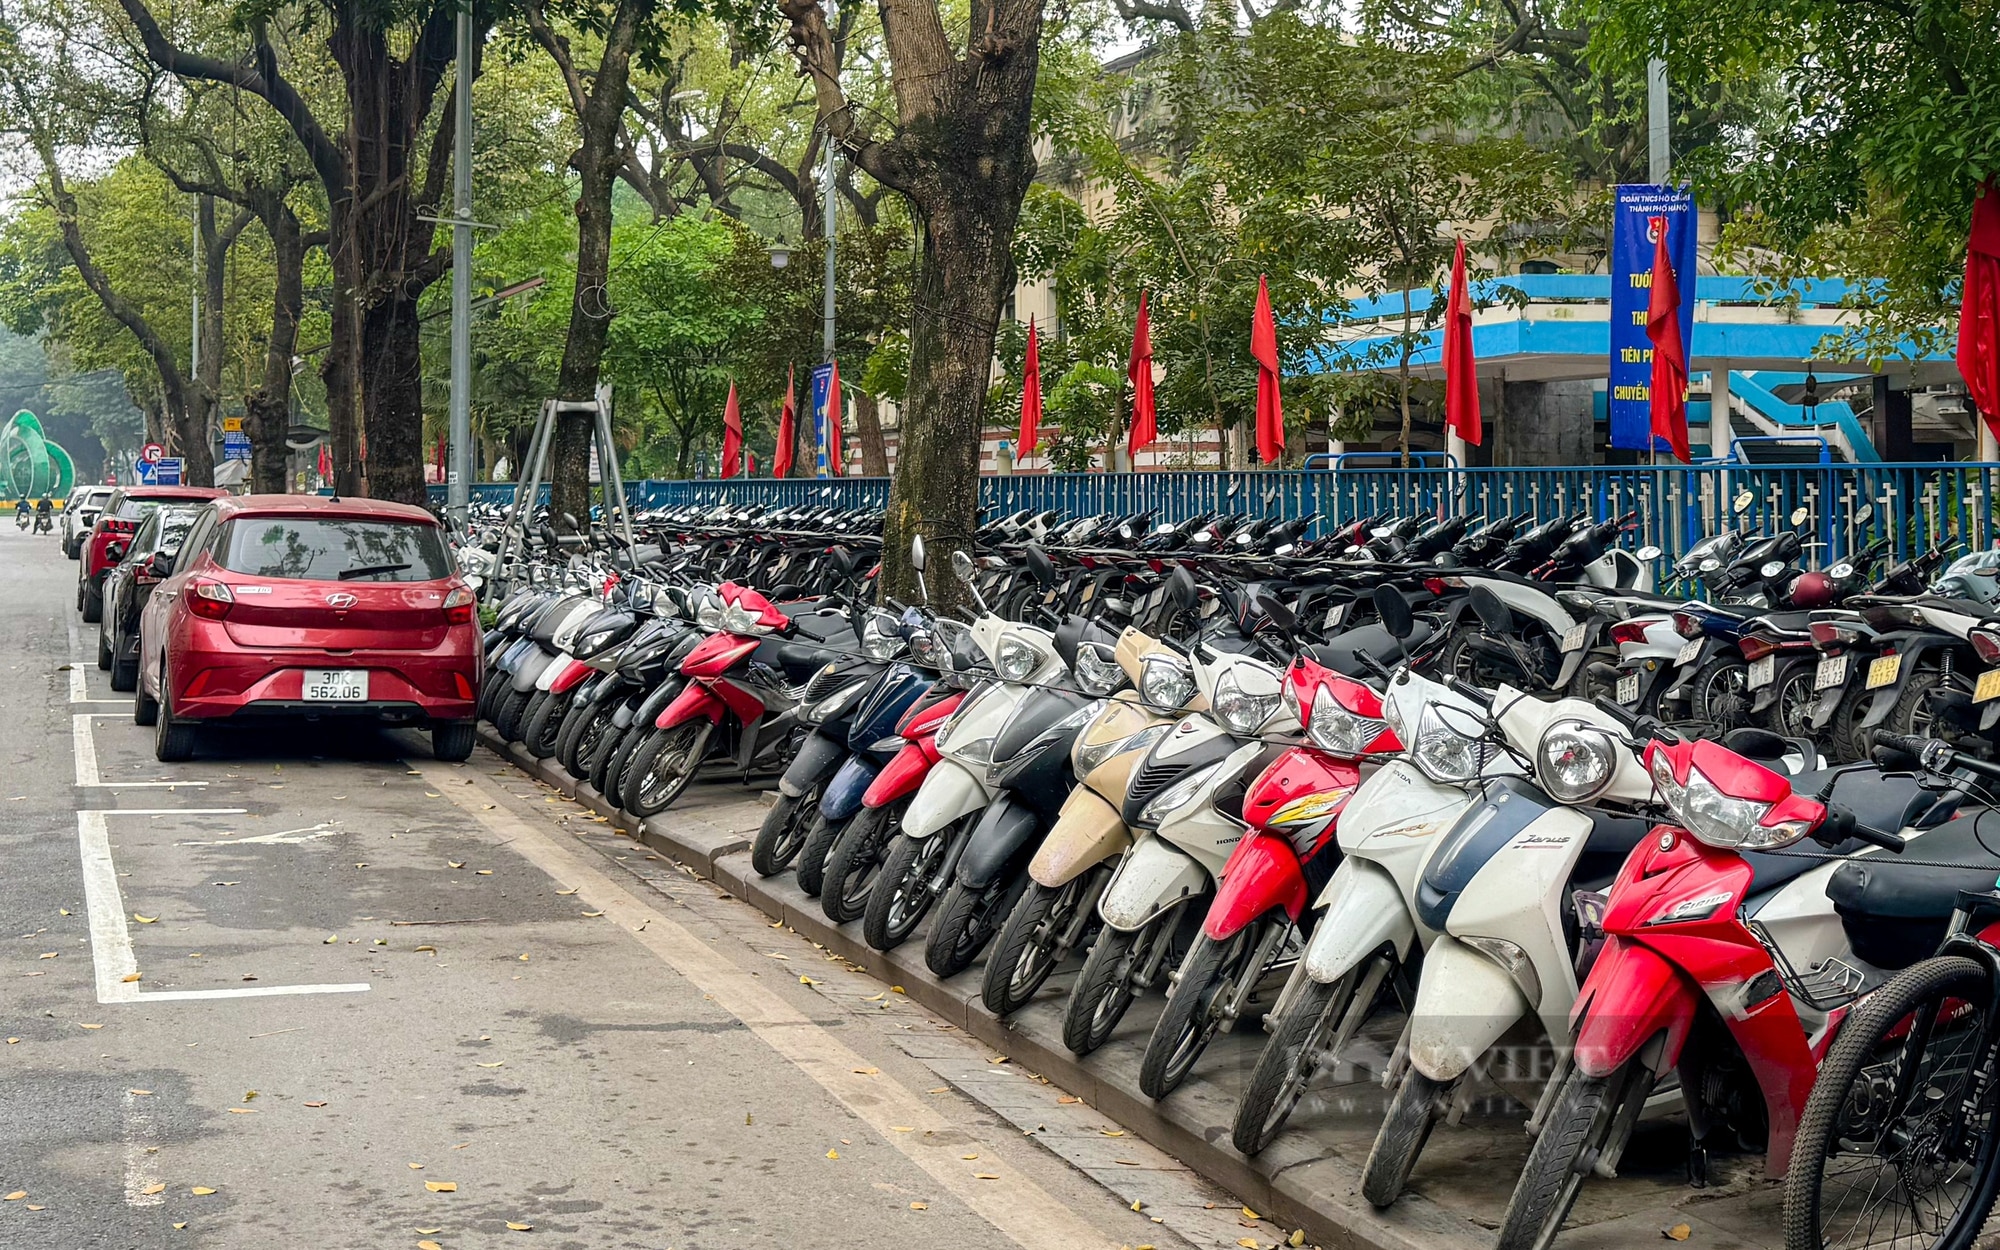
{"type": "Point", "coordinates": [379, 711]}
{"type": "Point", "coordinates": [402, 686]}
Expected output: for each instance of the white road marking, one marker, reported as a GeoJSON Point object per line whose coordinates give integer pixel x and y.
{"type": "Point", "coordinates": [140, 1174]}
{"type": "Point", "coordinates": [324, 829]}
{"type": "Point", "coordinates": [1011, 1202]}
{"type": "Point", "coordinates": [111, 939]}
{"type": "Point", "coordinates": [78, 692]}
{"type": "Point", "coordinates": [85, 749]}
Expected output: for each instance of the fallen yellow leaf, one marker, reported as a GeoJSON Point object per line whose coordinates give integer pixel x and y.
{"type": "Point", "coordinates": [429, 1245]}
{"type": "Point", "coordinates": [442, 1187]}
{"type": "Point", "coordinates": [833, 1154]}
{"type": "Point", "coordinates": [157, 1187]}
{"type": "Point", "coordinates": [140, 1092]}
{"type": "Point", "coordinates": [1679, 1232]}
{"type": "Point", "coordinates": [13, 1041]}
{"type": "Point", "coordinates": [804, 980]}
{"type": "Point", "coordinates": [1248, 1214]}
{"type": "Point", "coordinates": [421, 949]}
{"type": "Point", "coordinates": [329, 939]}
{"type": "Point", "coordinates": [16, 1196]}
{"type": "Point", "coordinates": [520, 1228]}
{"type": "Point", "coordinates": [985, 1176]}
{"type": "Point", "coordinates": [502, 1063]}
{"type": "Point", "coordinates": [33, 1207]}
{"type": "Point", "coordinates": [867, 1071]}
{"type": "Point", "coordinates": [416, 1167]}
{"type": "Point", "coordinates": [1138, 1205]}
{"type": "Point", "coordinates": [997, 1059]}
{"type": "Point", "coordinates": [968, 1157]}
{"type": "Point", "coordinates": [1251, 1242]}
{"type": "Point", "coordinates": [201, 1191]}
{"type": "Point", "coordinates": [48, 954]}
{"type": "Point", "coordinates": [425, 1232]}
{"type": "Point", "coordinates": [593, 914]}
{"type": "Point", "coordinates": [920, 1206]}
{"type": "Point", "coordinates": [144, 919]}
{"type": "Point", "coordinates": [129, 977]}
{"type": "Point", "coordinates": [483, 872]}
{"type": "Point", "coordinates": [564, 893]}
{"type": "Point", "coordinates": [1068, 1100]}
{"type": "Point", "coordinates": [315, 1104]}
{"type": "Point", "coordinates": [242, 1111]}
{"type": "Point", "coordinates": [456, 863]}
{"type": "Point", "coordinates": [182, 1224]}
{"type": "Point", "coordinates": [1119, 1132]}
{"type": "Point", "coordinates": [897, 989]}
{"type": "Point", "coordinates": [89, 1026]}
{"type": "Point", "coordinates": [524, 959]}
{"type": "Point", "coordinates": [901, 1128]}
{"type": "Point", "coordinates": [1298, 1237]}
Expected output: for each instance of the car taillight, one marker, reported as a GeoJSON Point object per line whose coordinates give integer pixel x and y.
{"type": "Point", "coordinates": [458, 607]}
{"type": "Point", "coordinates": [1756, 648]}
{"type": "Point", "coordinates": [1628, 632]}
{"type": "Point", "coordinates": [210, 600]}
{"type": "Point", "coordinates": [112, 525]}
{"type": "Point", "coordinates": [1987, 646]}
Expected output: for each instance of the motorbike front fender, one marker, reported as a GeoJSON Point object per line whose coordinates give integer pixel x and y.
{"type": "Point", "coordinates": [1465, 1003]}
{"type": "Point", "coordinates": [847, 791]}
{"type": "Point", "coordinates": [1631, 996]}
{"type": "Point", "coordinates": [653, 704]}
{"type": "Point", "coordinates": [1087, 832]}
{"type": "Point", "coordinates": [1882, 701]}
{"type": "Point", "coordinates": [528, 673]}
{"type": "Point", "coordinates": [819, 755]}
{"type": "Point", "coordinates": [1573, 660]}
{"type": "Point", "coordinates": [695, 699]}
{"type": "Point", "coordinates": [1004, 828]}
{"type": "Point", "coordinates": [1154, 876]}
{"type": "Point", "coordinates": [566, 676]}
{"type": "Point", "coordinates": [949, 792]}
{"type": "Point", "coordinates": [1364, 911]}
{"type": "Point", "coordinates": [1262, 874]}
{"type": "Point", "coordinates": [904, 772]}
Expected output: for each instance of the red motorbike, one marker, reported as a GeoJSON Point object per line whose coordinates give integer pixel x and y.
{"type": "Point", "coordinates": [1287, 854]}
{"type": "Point", "coordinates": [742, 698]}
{"type": "Point", "coordinates": [1720, 962]}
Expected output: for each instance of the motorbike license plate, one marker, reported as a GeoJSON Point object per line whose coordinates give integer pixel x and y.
{"type": "Point", "coordinates": [1573, 638]}
{"type": "Point", "coordinates": [334, 685]}
{"type": "Point", "coordinates": [1628, 688]}
{"type": "Point", "coordinates": [1988, 687]}
{"type": "Point", "coordinates": [1883, 671]}
{"type": "Point", "coordinates": [1763, 672]}
{"type": "Point", "coordinates": [1832, 671]}
{"type": "Point", "coordinates": [1690, 652]}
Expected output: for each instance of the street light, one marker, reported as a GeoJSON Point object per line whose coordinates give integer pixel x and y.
{"type": "Point", "coordinates": [781, 254]}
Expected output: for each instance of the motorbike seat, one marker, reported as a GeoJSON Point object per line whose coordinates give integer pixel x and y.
{"type": "Point", "coordinates": [1896, 913]}
{"type": "Point", "coordinates": [1771, 750]}
{"type": "Point", "coordinates": [801, 660]}
{"type": "Point", "coordinates": [1342, 654]}
{"type": "Point", "coordinates": [1788, 622]}
{"type": "Point", "coordinates": [1886, 802]}
{"type": "Point", "coordinates": [825, 627]}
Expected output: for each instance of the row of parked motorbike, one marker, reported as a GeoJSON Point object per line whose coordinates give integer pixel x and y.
{"type": "Point", "coordinates": [1400, 770]}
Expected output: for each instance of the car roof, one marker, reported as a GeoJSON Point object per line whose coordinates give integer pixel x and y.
{"type": "Point", "coordinates": [321, 506]}
{"type": "Point", "coordinates": [171, 492]}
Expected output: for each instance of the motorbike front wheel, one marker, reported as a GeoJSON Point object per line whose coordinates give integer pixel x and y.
{"type": "Point", "coordinates": [1413, 1113]}
{"type": "Point", "coordinates": [542, 722]}
{"type": "Point", "coordinates": [1030, 942]}
{"type": "Point", "coordinates": [783, 832]}
{"type": "Point", "coordinates": [907, 888]}
{"type": "Point", "coordinates": [1104, 990]}
{"type": "Point", "coordinates": [967, 921]}
{"type": "Point", "coordinates": [1210, 975]}
{"type": "Point", "coordinates": [661, 769]}
{"type": "Point", "coordinates": [1310, 1036]}
{"type": "Point", "coordinates": [851, 866]}
{"type": "Point", "coordinates": [1580, 1124]}
{"type": "Point", "coordinates": [818, 847]}
{"type": "Point", "coordinates": [1896, 1146]}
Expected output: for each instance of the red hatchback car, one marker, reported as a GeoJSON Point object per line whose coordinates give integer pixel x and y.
{"type": "Point", "coordinates": [303, 607]}
{"type": "Point", "coordinates": [120, 519]}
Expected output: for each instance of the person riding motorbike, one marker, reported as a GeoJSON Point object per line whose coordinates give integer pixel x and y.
{"type": "Point", "coordinates": [44, 515]}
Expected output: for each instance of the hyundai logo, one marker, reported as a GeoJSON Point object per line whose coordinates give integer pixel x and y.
{"type": "Point", "coordinates": [341, 599]}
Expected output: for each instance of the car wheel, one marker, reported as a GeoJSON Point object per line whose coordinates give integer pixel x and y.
{"type": "Point", "coordinates": [173, 741]}
{"type": "Point", "coordinates": [452, 741]}
{"type": "Point", "coordinates": [124, 674]}
{"type": "Point", "coordinates": [145, 709]}
{"type": "Point", "coordinates": [103, 648]}
{"type": "Point", "coordinates": [92, 604]}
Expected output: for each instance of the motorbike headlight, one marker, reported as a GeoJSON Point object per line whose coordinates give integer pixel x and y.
{"type": "Point", "coordinates": [879, 640]}
{"type": "Point", "coordinates": [590, 644]}
{"type": "Point", "coordinates": [1165, 684]}
{"type": "Point", "coordinates": [1445, 755]}
{"type": "Point", "coordinates": [978, 751]}
{"type": "Point", "coordinates": [1718, 819]}
{"type": "Point", "coordinates": [1089, 757]}
{"type": "Point", "coordinates": [926, 652]}
{"type": "Point", "coordinates": [709, 614]}
{"type": "Point", "coordinates": [1178, 795]}
{"type": "Point", "coordinates": [736, 619]}
{"type": "Point", "coordinates": [1014, 659]}
{"type": "Point", "coordinates": [644, 597]}
{"type": "Point", "coordinates": [1336, 729]}
{"type": "Point", "coordinates": [1241, 712]}
{"type": "Point", "coordinates": [834, 704]}
{"type": "Point", "coordinates": [1575, 761]}
{"type": "Point", "coordinates": [1096, 671]}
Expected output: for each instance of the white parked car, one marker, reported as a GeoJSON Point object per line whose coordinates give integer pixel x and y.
{"type": "Point", "coordinates": [79, 514]}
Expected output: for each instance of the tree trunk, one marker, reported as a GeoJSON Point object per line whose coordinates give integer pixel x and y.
{"type": "Point", "coordinates": [393, 416]}
{"type": "Point", "coordinates": [868, 423]}
{"type": "Point", "coordinates": [600, 114]}
{"type": "Point", "coordinates": [1403, 379]}
{"type": "Point", "coordinates": [343, 382]}
{"type": "Point", "coordinates": [268, 409]}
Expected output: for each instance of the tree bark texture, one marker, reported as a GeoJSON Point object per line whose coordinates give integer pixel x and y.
{"type": "Point", "coordinates": [961, 155]}
{"type": "Point", "coordinates": [600, 111]}
{"type": "Point", "coordinates": [868, 423]}
{"type": "Point", "coordinates": [268, 409]}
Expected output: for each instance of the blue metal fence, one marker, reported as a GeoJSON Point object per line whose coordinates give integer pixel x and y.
{"type": "Point", "coordinates": [1916, 505]}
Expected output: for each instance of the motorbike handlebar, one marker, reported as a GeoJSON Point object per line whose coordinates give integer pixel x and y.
{"type": "Point", "coordinates": [1935, 756]}
{"type": "Point", "coordinates": [1840, 825]}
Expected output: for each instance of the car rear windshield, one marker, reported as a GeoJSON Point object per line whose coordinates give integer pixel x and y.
{"type": "Point", "coordinates": [330, 549]}
{"type": "Point", "coordinates": [130, 509]}
{"type": "Point", "coordinates": [95, 498]}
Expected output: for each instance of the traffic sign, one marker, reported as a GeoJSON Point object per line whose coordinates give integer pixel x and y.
{"type": "Point", "coordinates": [167, 471]}
{"type": "Point", "coordinates": [235, 446]}
{"type": "Point", "coordinates": [151, 453]}
{"type": "Point", "coordinates": [232, 425]}
{"type": "Point", "coordinates": [144, 471]}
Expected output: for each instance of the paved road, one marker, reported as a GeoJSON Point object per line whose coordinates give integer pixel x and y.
{"type": "Point", "coordinates": [314, 989]}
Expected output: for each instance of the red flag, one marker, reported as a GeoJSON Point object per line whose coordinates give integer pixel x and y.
{"type": "Point", "coordinates": [1979, 311]}
{"type": "Point", "coordinates": [1270, 405]}
{"type": "Point", "coordinates": [781, 455]}
{"type": "Point", "coordinates": [833, 422]}
{"type": "Point", "coordinates": [1670, 370]}
{"type": "Point", "coordinates": [1145, 416]}
{"type": "Point", "coordinates": [1031, 399]}
{"type": "Point", "coordinates": [1461, 383]}
{"type": "Point", "coordinates": [732, 434]}
{"type": "Point", "coordinates": [325, 463]}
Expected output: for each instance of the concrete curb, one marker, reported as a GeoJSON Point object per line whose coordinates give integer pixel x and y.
{"type": "Point", "coordinates": [1316, 1191]}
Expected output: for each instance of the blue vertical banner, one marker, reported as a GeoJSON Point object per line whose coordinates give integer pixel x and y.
{"type": "Point", "coordinates": [822, 391]}
{"type": "Point", "coordinates": [1630, 388]}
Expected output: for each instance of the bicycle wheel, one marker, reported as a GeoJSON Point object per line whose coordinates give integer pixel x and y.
{"type": "Point", "coordinates": [1896, 1147]}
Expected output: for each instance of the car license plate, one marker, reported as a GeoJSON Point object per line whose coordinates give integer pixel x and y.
{"type": "Point", "coordinates": [1573, 637]}
{"type": "Point", "coordinates": [1988, 687]}
{"type": "Point", "coordinates": [1628, 688]}
{"type": "Point", "coordinates": [1832, 671]}
{"type": "Point", "coordinates": [1763, 672]}
{"type": "Point", "coordinates": [334, 685]}
{"type": "Point", "coordinates": [1883, 671]}
{"type": "Point", "coordinates": [1690, 652]}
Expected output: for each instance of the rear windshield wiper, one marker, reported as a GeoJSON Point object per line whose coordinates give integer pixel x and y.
{"type": "Point", "coordinates": [366, 570]}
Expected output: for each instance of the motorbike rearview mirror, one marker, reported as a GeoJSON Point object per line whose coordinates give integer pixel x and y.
{"type": "Point", "coordinates": [1492, 613]}
{"type": "Point", "coordinates": [1040, 566]}
{"type": "Point", "coordinates": [1279, 615]}
{"type": "Point", "coordinates": [1864, 514]}
{"type": "Point", "coordinates": [917, 552]}
{"type": "Point", "coordinates": [1649, 552]}
{"type": "Point", "coordinates": [1230, 492]}
{"type": "Point", "coordinates": [1180, 585]}
{"type": "Point", "coordinates": [963, 568]}
{"type": "Point", "coordinates": [1394, 610]}
{"type": "Point", "coordinates": [1743, 501]}
{"type": "Point", "coordinates": [1799, 514]}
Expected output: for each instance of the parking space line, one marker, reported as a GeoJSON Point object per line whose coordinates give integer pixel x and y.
{"type": "Point", "coordinates": [140, 1175]}
{"type": "Point", "coordinates": [111, 939]}
{"type": "Point", "coordinates": [78, 692]}
{"type": "Point", "coordinates": [85, 749]}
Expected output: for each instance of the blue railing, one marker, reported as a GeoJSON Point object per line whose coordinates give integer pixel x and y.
{"type": "Point", "coordinates": [1916, 505]}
